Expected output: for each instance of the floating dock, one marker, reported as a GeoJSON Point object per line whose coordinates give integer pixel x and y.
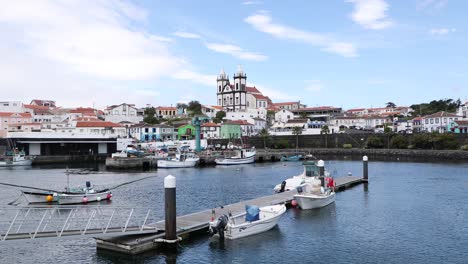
{"type": "Point", "coordinates": [192, 223]}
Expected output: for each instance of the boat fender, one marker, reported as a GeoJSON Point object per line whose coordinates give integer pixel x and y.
{"type": "Point", "coordinates": [283, 185]}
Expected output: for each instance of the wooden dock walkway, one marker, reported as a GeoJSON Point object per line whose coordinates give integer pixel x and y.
{"type": "Point", "coordinates": [186, 224]}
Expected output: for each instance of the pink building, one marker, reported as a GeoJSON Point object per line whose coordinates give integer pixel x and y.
{"type": "Point", "coordinates": [8, 119]}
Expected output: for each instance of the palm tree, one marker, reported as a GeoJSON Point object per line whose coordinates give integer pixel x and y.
{"type": "Point", "coordinates": [264, 134]}
{"type": "Point", "coordinates": [297, 131]}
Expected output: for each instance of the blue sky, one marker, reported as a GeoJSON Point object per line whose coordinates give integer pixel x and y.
{"type": "Point", "coordinates": [345, 53]}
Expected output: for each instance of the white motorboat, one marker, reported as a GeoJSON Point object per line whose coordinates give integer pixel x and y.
{"type": "Point", "coordinates": [181, 160]}
{"type": "Point", "coordinates": [72, 196]}
{"type": "Point", "coordinates": [128, 152]}
{"type": "Point", "coordinates": [311, 197]}
{"type": "Point", "coordinates": [247, 224]}
{"type": "Point", "coordinates": [242, 156]}
{"type": "Point", "coordinates": [309, 175]}
{"type": "Point", "coordinates": [16, 159]}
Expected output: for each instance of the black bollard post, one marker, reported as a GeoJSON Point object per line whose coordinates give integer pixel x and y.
{"type": "Point", "coordinates": [170, 208]}
{"type": "Point", "coordinates": [321, 165]}
{"type": "Point", "coordinates": [365, 165]}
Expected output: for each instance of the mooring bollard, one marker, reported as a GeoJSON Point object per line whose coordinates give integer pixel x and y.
{"type": "Point", "coordinates": [170, 208]}
{"type": "Point", "coordinates": [321, 165]}
{"type": "Point", "coordinates": [365, 168]}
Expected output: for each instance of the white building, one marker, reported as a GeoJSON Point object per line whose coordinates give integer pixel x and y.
{"type": "Point", "coordinates": [232, 97]}
{"type": "Point", "coordinates": [463, 110]}
{"type": "Point", "coordinates": [210, 130]}
{"type": "Point", "coordinates": [439, 121]}
{"type": "Point", "coordinates": [289, 105]}
{"type": "Point", "coordinates": [259, 124]}
{"type": "Point", "coordinates": [211, 110]}
{"type": "Point", "coordinates": [12, 107]}
{"type": "Point", "coordinates": [122, 113]}
{"type": "Point", "coordinates": [103, 128]}
{"type": "Point", "coordinates": [283, 115]}
{"type": "Point", "coordinates": [349, 122]}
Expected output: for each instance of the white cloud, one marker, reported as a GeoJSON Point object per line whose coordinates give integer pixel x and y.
{"type": "Point", "coordinates": [236, 51]}
{"type": "Point", "coordinates": [442, 31]}
{"type": "Point", "coordinates": [208, 80]}
{"type": "Point", "coordinates": [370, 13]}
{"type": "Point", "coordinates": [69, 50]}
{"type": "Point", "coordinates": [187, 35]}
{"type": "Point", "coordinates": [314, 86]}
{"type": "Point", "coordinates": [274, 94]}
{"type": "Point", "coordinates": [431, 4]}
{"type": "Point", "coordinates": [252, 3]}
{"type": "Point", "coordinates": [263, 23]}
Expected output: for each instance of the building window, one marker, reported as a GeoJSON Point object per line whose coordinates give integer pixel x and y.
{"type": "Point", "coordinates": [437, 120]}
{"type": "Point", "coordinates": [237, 86]}
{"type": "Point", "coordinates": [219, 88]}
{"type": "Point", "coordinates": [237, 100]}
{"type": "Point", "coordinates": [116, 112]}
{"type": "Point", "coordinates": [432, 121]}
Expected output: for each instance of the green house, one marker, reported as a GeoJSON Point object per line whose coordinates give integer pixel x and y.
{"type": "Point", "coordinates": [186, 132]}
{"type": "Point", "coordinates": [230, 131]}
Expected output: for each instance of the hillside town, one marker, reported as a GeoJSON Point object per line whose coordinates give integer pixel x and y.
{"type": "Point", "coordinates": [241, 111]}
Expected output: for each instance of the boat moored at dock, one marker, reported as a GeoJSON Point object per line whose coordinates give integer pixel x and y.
{"type": "Point", "coordinates": [12, 159]}
{"type": "Point", "coordinates": [181, 160]}
{"type": "Point", "coordinates": [242, 156]}
{"type": "Point", "coordinates": [254, 221]}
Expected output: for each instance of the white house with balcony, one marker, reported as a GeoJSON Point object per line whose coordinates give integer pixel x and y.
{"type": "Point", "coordinates": [439, 121]}
{"type": "Point", "coordinates": [123, 113]}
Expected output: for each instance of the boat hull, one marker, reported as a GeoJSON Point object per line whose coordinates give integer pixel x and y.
{"type": "Point", "coordinates": [16, 163]}
{"type": "Point", "coordinates": [35, 197]}
{"type": "Point", "coordinates": [313, 201]}
{"type": "Point", "coordinates": [177, 164]}
{"type": "Point", "coordinates": [245, 229]}
{"type": "Point", "coordinates": [235, 161]}
{"type": "Point", "coordinates": [66, 198]}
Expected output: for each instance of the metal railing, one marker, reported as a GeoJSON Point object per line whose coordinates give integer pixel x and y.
{"type": "Point", "coordinates": [39, 222]}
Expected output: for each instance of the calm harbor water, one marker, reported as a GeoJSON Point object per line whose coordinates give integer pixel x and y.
{"type": "Point", "coordinates": [409, 213]}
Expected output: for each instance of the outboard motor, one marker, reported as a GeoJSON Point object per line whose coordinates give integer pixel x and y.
{"type": "Point", "coordinates": [88, 184]}
{"type": "Point", "coordinates": [219, 227]}
{"type": "Point", "coordinates": [283, 186]}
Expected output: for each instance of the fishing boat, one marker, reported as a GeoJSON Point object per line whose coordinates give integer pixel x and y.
{"type": "Point", "coordinates": [311, 197]}
{"type": "Point", "coordinates": [181, 160]}
{"type": "Point", "coordinates": [309, 175]}
{"type": "Point", "coordinates": [243, 156]}
{"type": "Point", "coordinates": [70, 196]}
{"type": "Point", "coordinates": [15, 159]}
{"type": "Point", "coordinates": [291, 158]}
{"type": "Point", "coordinates": [253, 221]}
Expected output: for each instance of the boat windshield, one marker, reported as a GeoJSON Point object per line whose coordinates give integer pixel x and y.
{"type": "Point", "coordinates": [311, 171]}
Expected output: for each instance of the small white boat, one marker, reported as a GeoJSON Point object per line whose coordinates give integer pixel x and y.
{"type": "Point", "coordinates": [181, 160]}
{"type": "Point", "coordinates": [16, 159]}
{"type": "Point", "coordinates": [309, 198]}
{"type": "Point", "coordinates": [309, 175]}
{"type": "Point", "coordinates": [73, 196]}
{"type": "Point", "coordinates": [238, 226]}
{"type": "Point", "coordinates": [128, 152]}
{"type": "Point", "coordinates": [242, 156]}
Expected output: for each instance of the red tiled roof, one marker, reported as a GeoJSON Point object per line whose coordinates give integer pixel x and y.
{"type": "Point", "coordinates": [83, 110]}
{"type": "Point", "coordinates": [285, 103]}
{"type": "Point", "coordinates": [96, 124]}
{"type": "Point", "coordinates": [9, 114]}
{"type": "Point", "coordinates": [252, 90]}
{"type": "Point", "coordinates": [82, 119]}
{"type": "Point", "coordinates": [355, 110]}
{"type": "Point", "coordinates": [36, 107]}
{"type": "Point", "coordinates": [41, 102]}
{"type": "Point", "coordinates": [210, 124]}
{"type": "Point", "coordinates": [462, 122]}
{"type": "Point", "coordinates": [318, 108]}
{"type": "Point", "coordinates": [260, 97]}
{"type": "Point", "coordinates": [239, 122]}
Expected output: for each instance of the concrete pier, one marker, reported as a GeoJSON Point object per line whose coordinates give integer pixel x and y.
{"type": "Point", "coordinates": [198, 222]}
{"type": "Point", "coordinates": [130, 163]}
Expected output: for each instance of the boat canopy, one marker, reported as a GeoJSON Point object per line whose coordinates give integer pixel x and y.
{"type": "Point", "coordinates": [252, 213]}
{"type": "Point", "coordinates": [311, 169]}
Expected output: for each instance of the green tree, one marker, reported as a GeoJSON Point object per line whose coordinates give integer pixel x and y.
{"type": "Point", "coordinates": [375, 142]}
{"type": "Point", "coordinates": [270, 117]}
{"type": "Point", "coordinates": [303, 115]}
{"type": "Point", "coordinates": [325, 130]}
{"type": "Point", "coordinates": [297, 131]}
{"type": "Point", "coordinates": [194, 108]}
{"type": "Point", "coordinates": [434, 106]}
{"type": "Point", "coordinates": [220, 115]}
{"type": "Point", "coordinates": [264, 134]}
{"type": "Point", "coordinates": [399, 142]}
{"type": "Point", "coordinates": [150, 117]}
{"type": "Point", "coordinates": [390, 105]}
